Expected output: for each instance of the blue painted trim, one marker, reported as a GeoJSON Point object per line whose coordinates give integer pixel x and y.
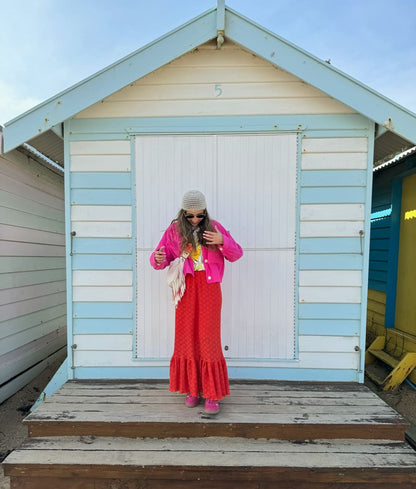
{"type": "Point", "coordinates": [102, 246]}
{"type": "Point", "coordinates": [220, 15]}
{"type": "Point", "coordinates": [101, 196]}
{"type": "Point", "coordinates": [102, 262]}
{"type": "Point", "coordinates": [330, 262]}
{"type": "Point", "coordinates": [393, 255]}
{"type": "Point", "coordinates": [334, 178]}
{"type": "Point", "coordinates": [321, 75]}
{"type": "Point", "coordinates": [94, 180]}
{"type": "Point", "coordinates": [330, 245]}
{"type": "Point", "coordinates": [97, 310]}
{"type": "Point", "coordinates": [298, 374]}
{"type": "Point", "coordinates": [103, 326]}
{"type": "Point", "coordinates": [329, 327]}
{"type": "Point", "coordinates": [330, 311]}
{"type": "Point", "coordinates": [90, 129]}
{"type": "Point", "coordinates": [134, 240]}
{"type": "Point", "coordinates": [68, 244]}
{"type": "Point", "coordinates": [333, 195]}
{"type": "Point", "coordinates": [57, 381]}
{"type": "Point", "coordinates": [380, 286]}
{"type": "Point", "coordinates": [237, 373]}
{"type": "Point", "coordinates": [366, 251]}
{"type": "Point", "coordinates": [113, 78]}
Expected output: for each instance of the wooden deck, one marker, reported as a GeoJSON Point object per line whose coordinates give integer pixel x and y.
{"type": "Point", "coordinates": [131, 435]}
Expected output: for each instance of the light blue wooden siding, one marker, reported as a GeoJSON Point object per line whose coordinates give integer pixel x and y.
{"type": "Point", "coordinates": [102, 257]}
{"type": "Point", "coordinates": [32, 271]}
{"type": "Point", "coordinates": [330, 258]}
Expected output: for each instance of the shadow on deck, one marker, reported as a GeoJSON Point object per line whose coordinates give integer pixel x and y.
{"type": "Point", "coordinates": [135, 434]}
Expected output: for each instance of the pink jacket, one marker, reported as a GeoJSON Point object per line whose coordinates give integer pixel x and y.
{"type": "Point", "coordinates": [213, 259]}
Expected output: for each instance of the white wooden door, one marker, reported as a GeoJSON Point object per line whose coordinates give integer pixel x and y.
{"type": "Point", "coordinates": [250, 185]}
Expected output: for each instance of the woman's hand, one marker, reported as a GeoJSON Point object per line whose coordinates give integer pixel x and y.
{"type": "Point", "coordinates": [214, 238]}
{"type": "Point", "coordinates": [160, 255]}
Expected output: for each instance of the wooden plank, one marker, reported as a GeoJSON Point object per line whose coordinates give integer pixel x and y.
{"type": "Point", "coordinates": [100, 148]}
{"type": "Point", "coordinates": [330, 294]}
{"type": "Point", "coordinates": [22, 234]}
{"type": "Point", "coordinates": [102, 277]}
{"type": "Point", "coordinates": [390, 428]}
{"type": "Point", "coordinates": [272, 89]}
{"type": "Point", "coordinates": [332, 212]}
{"type": "Point", "coordinates": [131, 408]}
{"type": "Point", "coordinates": [150, 397]}
{"type": "Point", "coordinates": [102, 229]}
{"type": "Point", "coordinates": [140, 483]}
{"type": "Point", "coordinates": [337, 145]}
{"type": "Point", "coordinates": [103, 294]}
{"type": "Point", "coordinates": [215, 458]}
{"type": "Point", "coordinates": [215, 107]}
{"type": "Point", "coordinates": [102, 162]}
{"type": "Point", "coordinates": [100, 212]}
{"type": "Point", "coordinates": [327, 229]}
{"type": "Point", "coordinates": [335, 278]}
{"type": "Point", "coordinates": [334, 161]}
{"type": "Point", "coordinates": [89, 445]}
{"type": "Point", "coordinates": [285, 387]}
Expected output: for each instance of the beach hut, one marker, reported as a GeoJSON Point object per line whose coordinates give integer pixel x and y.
{"type": "Point", "coordinates": [32, 266]}
{"type": "Point", "coordinates": [283, 146]}
{"type": "Point", "coordinates": [281, 143]}
{"type": "Point", "coordinates": [391, 318]}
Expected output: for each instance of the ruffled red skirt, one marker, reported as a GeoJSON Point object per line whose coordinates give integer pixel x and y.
{"type": "Point", "coordinates": [198, 364]}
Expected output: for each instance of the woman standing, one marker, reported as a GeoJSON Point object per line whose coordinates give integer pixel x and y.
{"type": "Point", "coordinates": [198, 367]}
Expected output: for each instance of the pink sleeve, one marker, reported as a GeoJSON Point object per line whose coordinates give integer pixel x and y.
{"type": "Point", "coordinates": [166, 241]}
{"type": "Point", "coordinates": [231, 250]}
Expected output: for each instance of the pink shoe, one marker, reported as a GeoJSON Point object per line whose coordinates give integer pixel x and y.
{"type": "Point", "coordinates": [212, 407]}
{"type": "Point", "coordinates": [191, 401]}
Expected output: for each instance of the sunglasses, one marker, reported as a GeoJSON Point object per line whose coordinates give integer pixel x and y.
{"type": "Point", "coordinates": [198, 216]}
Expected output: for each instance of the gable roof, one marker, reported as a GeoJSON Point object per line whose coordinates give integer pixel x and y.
{"type": "Point", "coordinates": [391, 117]}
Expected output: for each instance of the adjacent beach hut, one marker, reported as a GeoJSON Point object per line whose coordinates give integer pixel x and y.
{"type": "Point", "coordinates": [391, 318]}
{"type": "Point", "coordinates": [281, 143]}
{"type": "Point", "coordinates": [32, 266]}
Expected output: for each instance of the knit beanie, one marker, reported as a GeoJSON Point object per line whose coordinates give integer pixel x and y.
{"type": "Point", "coordinates": [194, 200]}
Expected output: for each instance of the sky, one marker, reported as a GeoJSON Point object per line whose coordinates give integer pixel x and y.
{"type": "Point", "coordinates": [49, 45]}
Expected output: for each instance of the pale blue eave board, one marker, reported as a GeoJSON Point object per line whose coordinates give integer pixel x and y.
{"type": "Point", "coordinates": [189, 36]}
{"type": "Point", "coordinates": [102, 84]}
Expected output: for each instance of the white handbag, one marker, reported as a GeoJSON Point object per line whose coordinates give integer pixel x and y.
{"type": "Point", "coordinates": [176, 277]}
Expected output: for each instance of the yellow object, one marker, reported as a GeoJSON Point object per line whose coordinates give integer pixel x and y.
{"type": "Point", "coordinates": [402, 367]}
{"type": "Point", "coordinates": [405, 319]}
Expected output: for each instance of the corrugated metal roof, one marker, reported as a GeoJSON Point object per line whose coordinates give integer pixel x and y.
{"type": "Point", "coordinates": [50, 145]}
{"type": "Point", "coordinates": [396, 159]}
{"type": "Point", "coordinates": [40, 158]}
{"type": "Point", "coordinates": [389, 144]}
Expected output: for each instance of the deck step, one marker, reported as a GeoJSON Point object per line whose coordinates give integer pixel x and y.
{"type": "Point", "coordinates": [385, 357]}
{"type": "Point", "coordinates": [106, 463]}
{"type": "Point", "coordinates": [280, 410]}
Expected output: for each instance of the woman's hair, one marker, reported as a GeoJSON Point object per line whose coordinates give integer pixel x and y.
{"type": "Point", "coordinates": [186, 230]}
